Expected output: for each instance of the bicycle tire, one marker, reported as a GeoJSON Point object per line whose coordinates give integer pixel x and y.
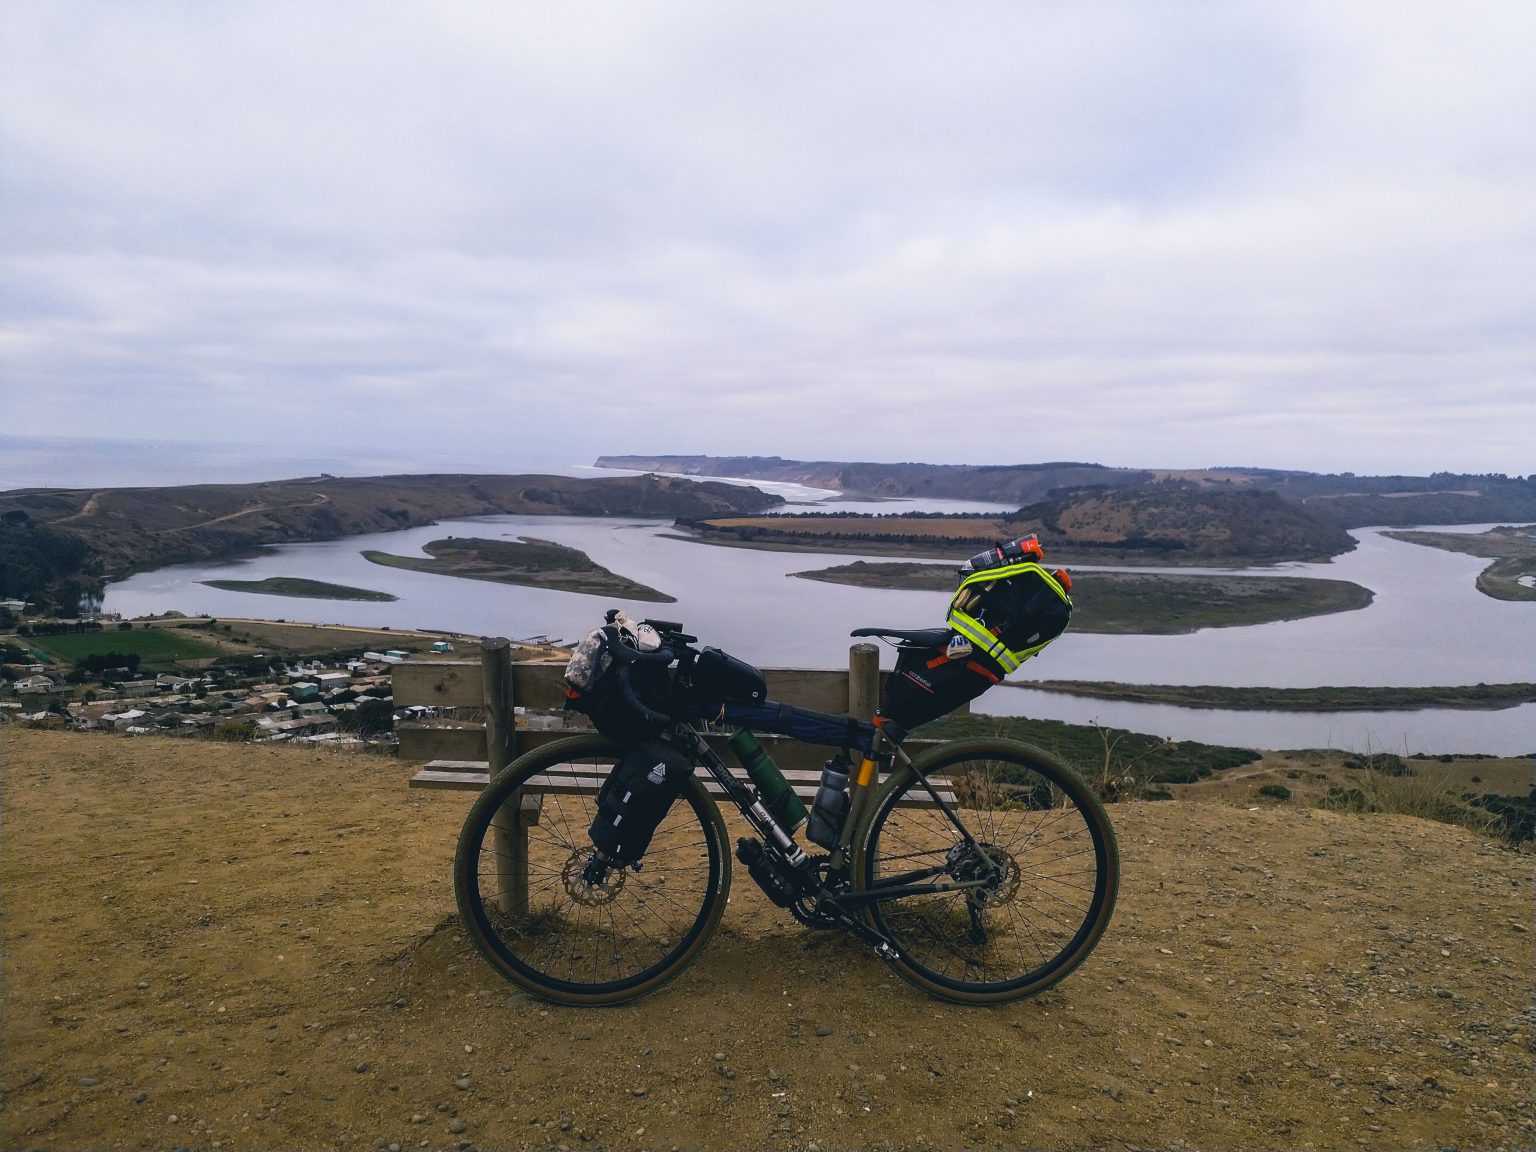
{"type": "Point", "coordinates": [1060, 874]}
{"type": "Point", "coordinates": [575, 944]}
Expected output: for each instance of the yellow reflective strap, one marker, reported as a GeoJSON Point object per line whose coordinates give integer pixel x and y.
{"type": "Point", "coordinates": [981, 638]}
{"type": "Point", "coordinates": [979, 635]}
{"type": "Point", "coordinates": [987, 575]}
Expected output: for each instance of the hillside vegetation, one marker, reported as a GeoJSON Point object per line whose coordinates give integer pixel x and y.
{"type": "Point", "coordinates": [115, 531]}
{"type": "Point", "coordinates": [1348, 500]}
{"type": "Point", "coordinates": [1161, 524]}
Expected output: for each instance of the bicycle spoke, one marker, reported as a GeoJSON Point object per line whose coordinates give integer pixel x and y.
{"type": "Point", "coordinates": [573, 939]}
{"type": "Point", "coordinates": [1037, 891]}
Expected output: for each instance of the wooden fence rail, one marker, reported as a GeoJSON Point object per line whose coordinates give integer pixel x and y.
{"type": "Point", "coordinates": [494, 687]}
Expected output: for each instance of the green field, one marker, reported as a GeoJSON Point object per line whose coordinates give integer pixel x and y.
{"type": "Point", "coordinates": [300, 587]}
{"type": "Point", "coordinates": [152, 644]}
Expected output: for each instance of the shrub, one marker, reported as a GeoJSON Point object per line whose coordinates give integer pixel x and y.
{"type": "Point", "coordinates": [1516, 815]}
{"type": "Point", "coordinates": [1429, 796]}
{"type": "Point", "coordinates": [1384, 762]}
{"type": "Point", "coordinates": [1278, 791]}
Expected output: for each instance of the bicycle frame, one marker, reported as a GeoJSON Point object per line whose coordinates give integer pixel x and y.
{"type": "Point", "coordinates": [836, 898]}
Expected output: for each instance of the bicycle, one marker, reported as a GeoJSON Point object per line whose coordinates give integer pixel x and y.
{"type": "Point", "coordinates": [982, 870]}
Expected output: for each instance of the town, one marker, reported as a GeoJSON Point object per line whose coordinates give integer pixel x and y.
{"type": "Point", "coordinates": [177, 676]}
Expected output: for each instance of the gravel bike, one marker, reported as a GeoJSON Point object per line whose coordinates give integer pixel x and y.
{"type": "Point", "coordinates": [982, 870]}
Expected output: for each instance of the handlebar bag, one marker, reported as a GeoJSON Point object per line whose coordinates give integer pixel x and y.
{"type": "Point", "coordinates": [635, 799]}
{"type": "Point", "coordinates": [601, 688]}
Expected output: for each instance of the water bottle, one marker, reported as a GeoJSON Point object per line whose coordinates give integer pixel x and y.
{"type": "Point", "coordinates": [830, 808]}
{"type": "Point", "coordinates": [777, 795]}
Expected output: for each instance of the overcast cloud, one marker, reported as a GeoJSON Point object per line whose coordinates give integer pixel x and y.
{"type": "Point", "coordinates": [1155, 234]}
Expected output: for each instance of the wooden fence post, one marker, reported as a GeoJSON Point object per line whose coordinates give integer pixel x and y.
{"type": "Point", "coordinates": [863, 680]}
{"type": "Point", "coordinates": [511, 822]}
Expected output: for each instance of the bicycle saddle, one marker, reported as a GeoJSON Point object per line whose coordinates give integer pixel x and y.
{"type": "Point", "coordinates": [908, 637]}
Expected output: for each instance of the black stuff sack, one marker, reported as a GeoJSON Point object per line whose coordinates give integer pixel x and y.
{"type": "Point", "coordinates": [635, 799]}
{"type": "Point", "coordinates": [605, 689]}
{"type": "Point", "coordinates": [927, 684]}
{"type": "Point", "coordinates": [610, 702]}
{"type": "Point", "coordinates": [720, 678]}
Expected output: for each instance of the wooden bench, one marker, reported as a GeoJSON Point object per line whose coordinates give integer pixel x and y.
{"type": "Point", "coordinates": [494, 681]}
{"type": "Point", "coordinates": [579, 779]}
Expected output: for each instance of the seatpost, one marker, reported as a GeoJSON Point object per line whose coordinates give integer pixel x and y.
{"type": "Point", "coordinates": [861, 789]}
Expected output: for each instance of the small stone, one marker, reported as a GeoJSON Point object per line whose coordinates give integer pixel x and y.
{"type": "Point", "coordinates": [418, 1118]}
{"type": "Point", "coordinates": [140, 1097]}
{"type": "Point", "coordinates": [462, 1083]}
{"type": "Point", "coordinates": [362, 1066]}
{"type": "Point", "coordinates": [719, 1055]}
{"type": "Point", "coordinates": [401, 1002]}
{"type": "Point", "coordinates": [823, 1031]}
{"type": "Point", "coordinates": [142, 984]}
{"type": "Point", "coordinates": [393, 1148]}
{"type": "Point", "coordinates": [457, 1125]}
{"type": "Point", "coordinates": [89, 1081]}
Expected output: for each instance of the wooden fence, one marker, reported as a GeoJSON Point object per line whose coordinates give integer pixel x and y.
{"type": "Point", "coordinates": [478, 701]}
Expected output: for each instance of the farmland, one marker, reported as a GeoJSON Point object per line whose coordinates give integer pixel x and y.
{"type": "Point", "coordinates": [152, 645]}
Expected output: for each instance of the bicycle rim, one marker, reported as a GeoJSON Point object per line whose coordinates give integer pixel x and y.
{"type": "Point", "coordinates": [1049, 848]}
{"type": "Point", "coordinates": [570, 942]}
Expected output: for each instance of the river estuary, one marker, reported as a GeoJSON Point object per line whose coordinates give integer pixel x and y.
{"type": "Point", "coordinates": [1428, 625]}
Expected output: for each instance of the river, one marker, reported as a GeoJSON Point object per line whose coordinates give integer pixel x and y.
{"type": "Point", "coordinates": [1428, 625]}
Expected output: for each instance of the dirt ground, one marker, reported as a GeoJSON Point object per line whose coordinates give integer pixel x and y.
{"type": "Point", "coordinates": [238, 947]}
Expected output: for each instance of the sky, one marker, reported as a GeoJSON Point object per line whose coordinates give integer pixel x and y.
{"type": "Point", "coordinates": [1174, 234]}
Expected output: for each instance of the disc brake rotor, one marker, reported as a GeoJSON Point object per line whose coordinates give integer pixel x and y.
{"type": "Point", "coordinates": [573, 876]}
{"type": "Point", "coordinates": [966, 865]}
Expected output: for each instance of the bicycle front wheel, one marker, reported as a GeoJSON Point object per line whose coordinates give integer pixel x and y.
{"type": "Point", "coordinates": [531, 912]}
{"type": "Point", "coordinates": [1041, 847]}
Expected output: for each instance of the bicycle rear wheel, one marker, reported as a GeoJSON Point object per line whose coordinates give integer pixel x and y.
{"type": "Point", "coordinates": [542, 925]}
{"type": "Point", "coordinates": [1048, 846]}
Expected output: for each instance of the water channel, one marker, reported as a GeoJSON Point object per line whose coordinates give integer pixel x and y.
{"type": "Point", "coordinates": [1428, 625]}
